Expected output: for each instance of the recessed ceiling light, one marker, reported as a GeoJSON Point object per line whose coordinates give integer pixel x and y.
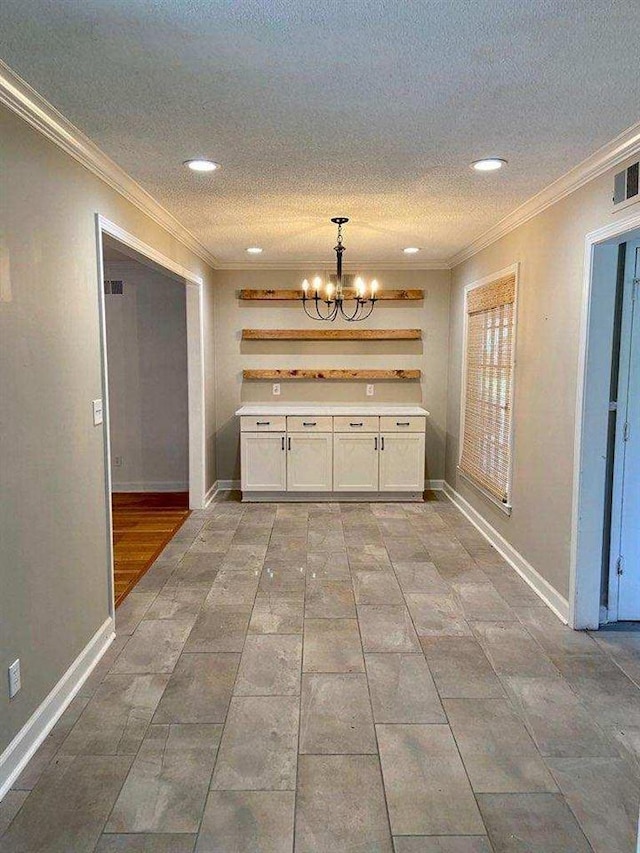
{"type": "Point", "coordinates": [254, 250]}
{"type": "Point", "coordinates": [489, 164]}
{"type": "Point", "coordinates": [200, 165]}
{"type": "Point", "coordinates": [411, 250]}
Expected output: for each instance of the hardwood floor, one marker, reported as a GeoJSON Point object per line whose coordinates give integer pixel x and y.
{"type": "Point", "coordinates": [143, 523]}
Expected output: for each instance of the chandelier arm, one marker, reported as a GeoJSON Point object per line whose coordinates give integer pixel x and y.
{"type": "Point", "coordinates": [368, 314]}
{"type": "Point", "coordinates": [353, 316]}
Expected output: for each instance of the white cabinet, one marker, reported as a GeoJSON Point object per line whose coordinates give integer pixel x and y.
{"type": "Point", "coordinates": [355, 462]}
{"type": "Point", "coordinates": [263, 462]}
{"type": "Point", "coordinates": [335, 454]}
{"type": "Point", "coordinates": [309, 462]}
{"type": "Point", "coordinates": [401, 462]}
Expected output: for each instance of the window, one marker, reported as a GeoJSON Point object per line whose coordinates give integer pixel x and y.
{"type": "Point", "coordinates": [485, 456]}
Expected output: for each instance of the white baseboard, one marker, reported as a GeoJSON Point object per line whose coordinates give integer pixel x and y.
{"type": "Point", "coordinates": [161, 486]}
{"type": "Point", "coordinates": [433, 485]}
{"type": "Point", "coordinates": [16, 756]}
{"type": "Point", "coordinates": [211, 494]}
{"type": "Point", "coordinates": [538, 584]}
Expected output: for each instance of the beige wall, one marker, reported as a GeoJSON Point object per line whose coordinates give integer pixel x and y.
{"type": "Point", "coordinates": [550, 250]}
{"type": "Point", "coordinates": [233, 355]}
{"type": "Point", "coordinates": [53, 558]}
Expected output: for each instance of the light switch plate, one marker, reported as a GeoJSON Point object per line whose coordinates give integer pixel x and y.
{"type": "Point", "coordinates": [369, 390]}
{"type": "Point", "coordinates": [15, 681]}
{"type": "Point", "coordinates": [97, 412]}
{"type": "Point", "coordinates": [276, 389]}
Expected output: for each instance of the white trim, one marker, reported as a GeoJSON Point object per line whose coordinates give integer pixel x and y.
{"type": "Point", "coordinates": [18, 96]}
{"type": "Point", "coordinates": [305, 264]}
{"type": "Point", "coordinates": [621, 148]}
{"type": "Point", "coordinates": [585, 569]}
{"type": "Point", "coordinates": [333, 497]}
{"type": "Point", "coordinates": [227, 485]}
{"type": "Point", "coordinates": [211, 494]}
{"type": "Point", "coordinates": [150, 486]}
{"type": "Point", "coordinates": [512, 269]}
{"type": "Point", "coordinates": [195, 353]}
{"type": "Point", "coordinates": [18, 753]}
{"type": "Point", "coordinates": [533, 578]}
{"type": "Point", "coordinates": [433, 485]}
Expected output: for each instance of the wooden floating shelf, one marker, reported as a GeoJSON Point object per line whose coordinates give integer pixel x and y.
{"type": "Point", "coordinates": [331, 374]}
{"type": "Point", "coordinates": [296, 295]}
{"type": "Point", "coordinates": [331, 334]}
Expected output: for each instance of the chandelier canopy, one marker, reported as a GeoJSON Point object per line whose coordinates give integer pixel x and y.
{"type": "Point", "coordinates": [356, 305]}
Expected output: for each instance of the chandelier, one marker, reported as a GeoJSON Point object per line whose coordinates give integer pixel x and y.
{"type": "Point", "coordinates": [358, 305]}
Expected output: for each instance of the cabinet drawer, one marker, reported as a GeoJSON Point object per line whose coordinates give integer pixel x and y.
{"type": "Point", "coordinates": [266, 423]}
{"type": "Point", "coordinates": [402, 424]}
{"type": "Point", "coordinates": [310, 423]}
{"type": "Point", "coordinates": [356, 423]}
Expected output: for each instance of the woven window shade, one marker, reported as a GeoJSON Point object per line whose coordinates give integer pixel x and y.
{"type": "Point", "coordinates": [486, 441]}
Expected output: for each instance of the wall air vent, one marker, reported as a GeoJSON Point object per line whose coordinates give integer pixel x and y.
{"type": "Point", "coordinates": [625, 187]}
{"type": "Point", "coordinates": [113, 287]}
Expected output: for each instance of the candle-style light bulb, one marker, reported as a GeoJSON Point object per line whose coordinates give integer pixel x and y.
{"type": "Point", "coordinates": [305, 286]}
{"type": "Point", "coordinates": [374, 287]}
{"type": "Point", "coordinates": [359, 283]}
{"type": "Point", "coordinates": [329, 290]}
{"type": "Point", "coordinates": [317, 283]}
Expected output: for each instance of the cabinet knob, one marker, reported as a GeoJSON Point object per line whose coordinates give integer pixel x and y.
{"type": "Point", "coordinates": [375, 443]}
{"type": "Point", "coordinates": [263, 423]}
{"type": "Point", "coordinates": [282, 442]}
{"type": "Point", "coordinates": [382, 443]}
{"type": "Point", "coordinates": [403, 423]}
{"type": "Point", "coordinates": [355, 425]}
{"type": "Point", "coordinates": [309, 423]}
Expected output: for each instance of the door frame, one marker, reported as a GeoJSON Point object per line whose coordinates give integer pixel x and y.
{"type": "Point", "coordinates": [194, 286]}
{"type": "Point", "coordinates": [591, 421]}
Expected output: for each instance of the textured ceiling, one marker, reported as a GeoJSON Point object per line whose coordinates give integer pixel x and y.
{"type": "Point", "coordinates": [372, 110]}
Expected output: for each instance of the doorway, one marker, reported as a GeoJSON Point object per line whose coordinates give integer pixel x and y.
{"type": "Point", "coordinates": [153, 400]}
{"type": "Point", "coordinates": [623, 560]}
{"type": "Point", "coordinates": [605, 570]}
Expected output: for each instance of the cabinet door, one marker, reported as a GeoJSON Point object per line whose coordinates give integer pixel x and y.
{"type": "Point", "coordinates": [263, 462]}
{"type": "Point", "coordinates": [309, 462]}
{"type": "Point", "coordinates": [402, 462]}
{"type": "Point", "coordinates": [355, 462]}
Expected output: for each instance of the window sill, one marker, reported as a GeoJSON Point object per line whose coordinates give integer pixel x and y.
{"type": "Point", "coordinates": [505, 508]}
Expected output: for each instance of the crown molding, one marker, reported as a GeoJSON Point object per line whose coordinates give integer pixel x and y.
{"type": "Point", "coordinates": [19, 97]}
{"type": "Point", "coordinates": [310, 267]}
{"type": "Point", "coordinates": [621, 148]}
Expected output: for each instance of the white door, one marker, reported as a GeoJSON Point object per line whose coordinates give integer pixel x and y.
{"type": "Point", "coordinates": [309, 462]}
{"type": "Point", "coordinates": [402, 462]}
{"type": "Point", "coordinates": [355, 462]}
{"type": "Point", "coordinates": [624, 587]}
{"type": "Point", "coordinates": [263, 462]}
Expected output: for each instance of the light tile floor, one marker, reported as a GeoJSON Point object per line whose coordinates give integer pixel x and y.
{"type": "Point", "coordinates": [354, 677]}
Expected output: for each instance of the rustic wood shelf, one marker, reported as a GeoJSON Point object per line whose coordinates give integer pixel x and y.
{"type": "Point", "coordinates": [331, 334]}
{"type": "Point", "coordinates": [296, 295]}
{"type": "Point", "coordinates": [331, 374]}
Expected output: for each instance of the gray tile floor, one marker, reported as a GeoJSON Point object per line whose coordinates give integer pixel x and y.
{"type": "Point", "coordinates": [324, 677]}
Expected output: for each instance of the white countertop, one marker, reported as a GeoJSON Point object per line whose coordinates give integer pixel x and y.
{"type": "Point", "coordinates": [259, 409]}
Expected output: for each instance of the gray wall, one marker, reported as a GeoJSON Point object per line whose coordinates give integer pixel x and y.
{"type": "Point", "coordinates": [148, 402]}
{"type": "Point", "coordinates": [53, 538]}
{"type": "Point", "coordinates": [550, 249]}
{"type": "Point", "coordinates": [233, 355]}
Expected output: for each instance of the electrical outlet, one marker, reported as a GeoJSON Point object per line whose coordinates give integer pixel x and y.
{"type": "Point", "coordinates": [275, 389]}
{"type": "Point", "coordinates": [15, 681]}
{"type": "Point", "coordinates": [118, 461]}
{"type": "Point", "coordinates": [369, 390]}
